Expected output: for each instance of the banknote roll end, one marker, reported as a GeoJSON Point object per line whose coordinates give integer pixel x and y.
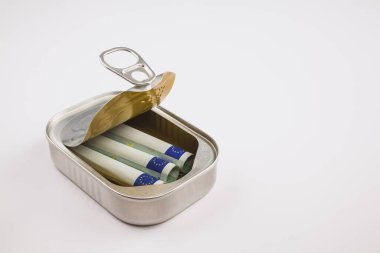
{"type": "Point", "coordinates": [170, 173]}
{"type": "Point", "coordinates": [188, 161]}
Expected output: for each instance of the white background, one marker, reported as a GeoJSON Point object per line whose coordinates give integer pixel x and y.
{"type": "Point", "coordinates": [289, 90]}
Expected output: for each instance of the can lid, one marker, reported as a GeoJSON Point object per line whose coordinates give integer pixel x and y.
{"type": "Point", "coordinates": [146, 94]}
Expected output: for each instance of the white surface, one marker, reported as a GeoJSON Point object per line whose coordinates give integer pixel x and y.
{"type": "Point", "coordinates": [290, 90]}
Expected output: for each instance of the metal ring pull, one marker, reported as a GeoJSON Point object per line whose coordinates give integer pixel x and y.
{"type": "Point", "coordinates": [140, 67]}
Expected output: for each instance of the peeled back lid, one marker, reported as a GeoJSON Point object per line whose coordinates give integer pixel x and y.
{"type": "Point", "coordinates": [146, 94]}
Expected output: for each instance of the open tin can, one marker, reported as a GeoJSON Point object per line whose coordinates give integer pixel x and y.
{"type": "Point", "coordinates": [139, 106]}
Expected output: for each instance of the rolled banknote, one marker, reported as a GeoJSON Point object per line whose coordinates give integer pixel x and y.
{"type": "Point", "coordinates": [115, 170]}
{"type": "Point", "coordinates": [150, 144]}
{"type": "Point", "coordinates": [138, 159]}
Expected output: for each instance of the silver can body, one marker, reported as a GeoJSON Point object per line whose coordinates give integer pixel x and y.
{"type": "Point", "coordinates": [145, 205]}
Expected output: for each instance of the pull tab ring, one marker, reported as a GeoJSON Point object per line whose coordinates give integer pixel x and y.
{"type": "Point", "coordinates": [140, 67]}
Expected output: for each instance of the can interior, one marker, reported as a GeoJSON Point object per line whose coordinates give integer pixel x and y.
{"type": "Point", "coordinates": [157, 126]}
{"type": "Point", "coordinates": [158, 122]}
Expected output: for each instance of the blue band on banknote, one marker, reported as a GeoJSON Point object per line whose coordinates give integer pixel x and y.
{"type": "Point", "coordinates": [144, 179]}
{"type": "Point", "coordinates": [175, 152]}
{"type": "Point", "coordinates": [157, 164]}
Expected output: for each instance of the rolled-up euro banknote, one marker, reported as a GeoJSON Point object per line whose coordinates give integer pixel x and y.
{"type": "Point", "coordinates": [115, 170]}
{"type": "Point", "coordinates": [138, 159]}
{"type": "Point", "coordinates": [152, 145]}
